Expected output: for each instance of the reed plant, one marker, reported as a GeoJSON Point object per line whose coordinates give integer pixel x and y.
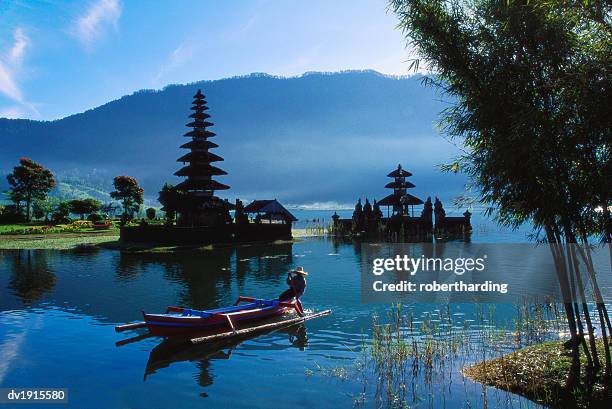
{"type": "Point", "coordinates": [412, 360]}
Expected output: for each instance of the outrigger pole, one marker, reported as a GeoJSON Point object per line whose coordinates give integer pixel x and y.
{"type": "Point", "coordinates": [135, 325]}
{"type": "Point", "coordinates": [265, 327]}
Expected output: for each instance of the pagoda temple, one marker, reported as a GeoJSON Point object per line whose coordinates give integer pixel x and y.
{"type": "Point", "coordinates": [202, 207]}
{"type": "Point", "coordinates": [399, 200]}
{"type": "Point", "coordinates": [201, 217]}
{"type": "Point", "coordinates": [401, 224]}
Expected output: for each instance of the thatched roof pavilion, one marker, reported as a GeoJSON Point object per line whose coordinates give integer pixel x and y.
{"type": "Point", "coordinates": [270, 210]}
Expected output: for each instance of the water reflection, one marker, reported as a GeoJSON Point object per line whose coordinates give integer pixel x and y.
{"type": "Point", "coordinates": [114, 287]}
{"type": "Point", "coordinates": [79, 295]}
{"type": "Point", "coordinates": [298, 337]}
{"type": "Point", "coordinates": [207, 279]}
{"type": "Point", "coordinates": [31, 275]}
{"type": "Point", "coordinates": [172, 350]}
{"type": "Point", "coordinates": [263, 262]}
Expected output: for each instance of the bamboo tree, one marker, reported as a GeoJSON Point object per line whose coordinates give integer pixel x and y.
{"type": "Point", "coordinates": [530, 82]}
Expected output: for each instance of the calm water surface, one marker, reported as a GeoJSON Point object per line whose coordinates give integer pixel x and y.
{"type": "Point", "coordinates": [58, 310]}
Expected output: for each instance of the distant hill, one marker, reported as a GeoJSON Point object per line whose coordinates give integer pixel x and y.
{"type": "Point", "coordinates": [314, 138]}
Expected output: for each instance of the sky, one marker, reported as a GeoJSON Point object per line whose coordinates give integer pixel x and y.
{"type": "Point", "coordinates": [59, 57]}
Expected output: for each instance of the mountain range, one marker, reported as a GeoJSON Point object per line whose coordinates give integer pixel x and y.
{"type": "Point", "coordinates": [316, 138]}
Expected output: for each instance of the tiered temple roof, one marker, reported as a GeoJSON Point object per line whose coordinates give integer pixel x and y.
{"type": "Point", "coordinates": [198, 169]}
{"type": "Point", "coordinates": [400, 199]}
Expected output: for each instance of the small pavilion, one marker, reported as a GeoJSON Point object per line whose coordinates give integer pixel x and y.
{"type": "Point", "coordinates": [400, 199]}
{"type": "Point", "coordinates": [270, 210]}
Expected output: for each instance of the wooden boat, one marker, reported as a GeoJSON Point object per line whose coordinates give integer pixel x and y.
{"type": "Point", "coordinates": [178, 320]}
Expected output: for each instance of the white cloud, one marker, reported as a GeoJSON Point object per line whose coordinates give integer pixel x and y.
{"type": "Point", "coordinates": [8, 86]}
{"type": "Point", "coordinates": [10, 70]}
{"type": "Point", "coordinates": [10, 65]}
{"type": "Point", "coordinates": [90, 26]}
{"type": "Point", "coordinates": [177, 58]}
{"type": "Point", "coordinates": [19, 46]}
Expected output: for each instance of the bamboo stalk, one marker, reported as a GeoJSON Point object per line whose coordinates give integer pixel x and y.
{"type": "Point", "coordinates": [133, 325]}
{"type": "Point", "coordinates": [264, 327]}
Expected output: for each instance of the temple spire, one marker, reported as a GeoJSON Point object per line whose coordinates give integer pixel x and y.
{"type": "Point", "coordinates": [199, 169]}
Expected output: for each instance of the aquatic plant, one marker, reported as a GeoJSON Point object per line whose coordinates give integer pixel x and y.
{"type": "Point", "coordinates": [409, 359]}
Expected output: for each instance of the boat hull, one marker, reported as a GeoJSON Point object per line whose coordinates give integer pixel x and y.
{"type": "Point", "coordinates": [180, 321]}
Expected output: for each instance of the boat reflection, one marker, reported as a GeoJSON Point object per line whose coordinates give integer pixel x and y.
{"type": "Point", "coordinates": [174, 350]}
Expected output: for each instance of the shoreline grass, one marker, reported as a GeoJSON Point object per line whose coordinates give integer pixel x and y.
{"type": "Point", "coordinates": [108, 239]}
{"type": "Point", "coordinates": [538, 372]}
{"type": "Point", "coordinates": [8, 231]}
{"type": "Point", "coordinates": [56, 241]}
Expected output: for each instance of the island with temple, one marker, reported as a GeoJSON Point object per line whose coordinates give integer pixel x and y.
{"type": "Point", "coordinates": [194, 214]}
{"type": "Point", "coordinates": [400, 223]}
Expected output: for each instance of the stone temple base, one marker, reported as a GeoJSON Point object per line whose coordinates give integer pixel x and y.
{"type": "Point", "coordinates": [224, 234]}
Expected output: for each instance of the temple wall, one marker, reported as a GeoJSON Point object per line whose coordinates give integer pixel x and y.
{"type": "Point", "coordinates": [230, 233]}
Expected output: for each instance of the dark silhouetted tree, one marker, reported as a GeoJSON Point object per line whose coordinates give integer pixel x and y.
{"type": "Point", "coordinates": [171, 200]}
{"type": "Point", "coordinates": [151, 213]}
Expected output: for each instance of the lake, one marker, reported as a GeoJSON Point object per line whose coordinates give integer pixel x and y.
{"type": "Point", "coordinates": [58, 310]}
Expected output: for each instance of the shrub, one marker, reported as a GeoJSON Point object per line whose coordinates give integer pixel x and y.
{"type": "Point", "coordinates": [62, 213]}
{"type": "Point", "coordinates": [94, 217]}
{"type": "Point", "coordinates": [10, 214]}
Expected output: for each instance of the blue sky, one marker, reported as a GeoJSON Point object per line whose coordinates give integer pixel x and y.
{"type": "Point", "coordinates": [62, 57]}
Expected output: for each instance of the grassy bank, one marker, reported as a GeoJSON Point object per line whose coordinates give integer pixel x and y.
{"type": "Point", "coordinates": [108, 240]}
{"type": "Point", "coordinates": [12, 238]}
{"type": "Point", "coordinates": [55, 241]}
{"type": "Point", "coordinates": [37, 228]}
{"type": "Point", "coordinates": [539, 373]}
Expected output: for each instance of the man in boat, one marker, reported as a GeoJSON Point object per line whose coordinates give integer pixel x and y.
{"type": "Point", "coordinates": [296, 280]}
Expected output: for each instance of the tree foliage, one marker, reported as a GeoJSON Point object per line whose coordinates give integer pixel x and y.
{"type": "Point", "coordinates": [530, 84]}
{"type": "Point", "coordinates": [43, 208]}
{"type": "Point", "coordinates": [129, 193]}
{"type": "Point", "coordinates": [531, 81]}
{"type": "Point", "coordinates": [84, 206]}
{"type": "Point", "coordinates": [150, 213]}
{"type": "Point", "coordinates": [61, 213]}
{"type": "Point", "coordinates": [171, 200]}
{"type": "Point", "coordinates": [108, 209]}
{"type": "Point", "coordinates": [29, 181]}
